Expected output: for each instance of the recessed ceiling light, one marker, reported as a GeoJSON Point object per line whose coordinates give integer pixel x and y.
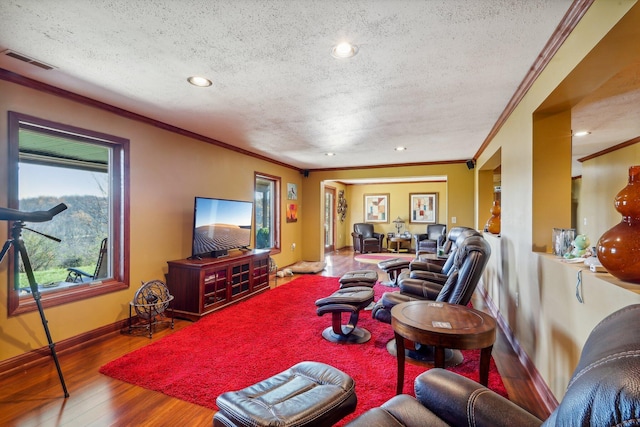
{"type": "Point", "coordinates": [199, 81]}
{"type": "Point", "coordinates": [401, 148]}
{"type": "Point", "coordinates": [330, 154]}
{"type": "Point", "coordinates": [344, 50]}
{"type": "Point", "coordinates": [581, 133]}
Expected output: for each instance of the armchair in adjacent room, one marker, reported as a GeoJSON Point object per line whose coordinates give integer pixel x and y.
{"type": "Point", "coordinates": [365, 239]}
{"type": "Point", "coordinates": [428, 242]}
{"type": "Point", "coordinates": [603, 390]}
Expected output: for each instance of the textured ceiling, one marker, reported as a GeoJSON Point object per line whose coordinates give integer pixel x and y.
{"type": "Point", "coordinates": [430, 75]}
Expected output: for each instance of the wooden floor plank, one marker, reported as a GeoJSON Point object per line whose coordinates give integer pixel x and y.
{"type": "Point", "coordinates": [33, 396]}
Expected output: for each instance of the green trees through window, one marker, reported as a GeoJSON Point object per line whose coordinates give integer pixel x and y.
{"type": "Point", "coordinates": [51, 163]}
{"type": "Point", "coordinates": [267, 213]}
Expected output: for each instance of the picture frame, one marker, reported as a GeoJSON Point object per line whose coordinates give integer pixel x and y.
{"type": "Point", "coordinates": [292, 191]}
{"type": "Point", "coordinates": [292, 212]}
{"type": "Point", "coordinates": [423, 208]}
{"type": "Point", "coordinates": [376, 208]}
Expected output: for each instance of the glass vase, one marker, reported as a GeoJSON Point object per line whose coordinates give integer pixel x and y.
{"type": "Point", "coordinates": [562, 239]}
{"type": "Point", "coordinates": [619, 247]}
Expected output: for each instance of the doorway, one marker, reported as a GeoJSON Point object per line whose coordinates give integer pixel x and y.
{"type": "Point", "coordinates": [329, 219]}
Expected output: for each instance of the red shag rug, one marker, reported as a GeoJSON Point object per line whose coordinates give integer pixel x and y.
{"type": "Point", "coordinates": [262, 336]}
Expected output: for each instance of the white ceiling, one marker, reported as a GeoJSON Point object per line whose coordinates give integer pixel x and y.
{"type": "Point", "coordinates": [430, 75]}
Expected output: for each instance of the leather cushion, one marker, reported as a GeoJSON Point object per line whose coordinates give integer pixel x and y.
{"type": "Point", "coordinates": [382, 309]}
{"type": "Point", "coordinates": [356, 296]}
{"type": "Point", "coordinates": [393, 264]}
{"type": "Point", "coordinates": [424, 265]}
{"type": "Point", "coordinates": [458, 400]}
{"type": "Point", "coordinates": [309, 393]}
{"type": "Point", "coordinates": [356, 284]}
{"type": "Point", "coordinates": [401, 410]}
{"type": "Point", "coordinates": [420, 288]}
{"type": "Point", "coordinates": [605, 387]}
{"type": "Point", "coordinates": [359, 276]}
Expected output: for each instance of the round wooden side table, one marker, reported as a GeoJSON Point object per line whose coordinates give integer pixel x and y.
{"type": "Point", "coordinates": [442, 325]}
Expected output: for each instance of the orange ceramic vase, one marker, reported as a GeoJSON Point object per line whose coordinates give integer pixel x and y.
{"type": "Point", "coordinates": [493, 224]}
{"type": "Point", "coordinates": [619, 248]}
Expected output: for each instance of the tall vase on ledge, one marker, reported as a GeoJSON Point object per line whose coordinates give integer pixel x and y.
{"type": "Point", "coordinates": [619, 247]}
{"type": "Point", "coordinates": [493, 224]}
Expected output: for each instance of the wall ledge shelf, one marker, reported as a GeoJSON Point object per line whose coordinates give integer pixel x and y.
{"type": "Point", "coordinates": [605, 277]}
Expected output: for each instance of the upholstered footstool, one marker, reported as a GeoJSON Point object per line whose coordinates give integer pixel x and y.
{"type": "Point", "coordinates": [393, 267]}
{"type": "Point", "coordinates": [307, 394]}
{"type": "Point", "coordinates": [358, 278]}
{"type": "Point", "coordinates": [351, 301]}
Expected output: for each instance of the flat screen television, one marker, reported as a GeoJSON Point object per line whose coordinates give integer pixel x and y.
{"type": "Point", "coordinates": [220, 225]}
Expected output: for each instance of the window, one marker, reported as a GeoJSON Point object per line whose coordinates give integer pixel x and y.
{"type": "Point", "coordinates": [52, 163]}
{"type": "Point", "coordinates": [267, 212]}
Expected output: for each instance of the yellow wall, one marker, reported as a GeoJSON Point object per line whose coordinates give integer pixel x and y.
{"type": "Point", "coordinates": [455, 199]}
{"type": "Point", "coordinates": [602, 178]}
{"type": "Point", "coordinates": [167, 170]}
{"type": "Point", "coordinates": [551, 176]}
{"type": "Point", "coordinates": [398, 204]}
{"type": "Point", "coordinates": [535, 292]}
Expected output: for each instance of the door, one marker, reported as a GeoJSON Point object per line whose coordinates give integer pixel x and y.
{"type": "Point", "coordinates": [329, 219]}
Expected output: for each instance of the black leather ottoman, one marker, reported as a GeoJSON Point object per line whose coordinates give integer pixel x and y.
{"type": "Point", "coordinates": [393, 267]}
{"type": "Point", "coordinates": [349, 300]}
{"type": "Point", "coordinates": [307, 394]}
{"type": "Point", "coordinates": [358, 278]}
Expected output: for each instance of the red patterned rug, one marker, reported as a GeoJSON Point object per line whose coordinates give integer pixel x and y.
{"type": "Point", "coordinates": [257, 338]}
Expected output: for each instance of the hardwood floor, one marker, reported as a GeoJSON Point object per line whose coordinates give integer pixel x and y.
{"type": "Point", "coordinates": [33, 396]}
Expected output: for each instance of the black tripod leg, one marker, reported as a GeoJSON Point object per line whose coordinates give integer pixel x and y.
{"type": "Point", "coordinates": [5, 248]}
{"type": "Point", "coordinates": [36, 296]}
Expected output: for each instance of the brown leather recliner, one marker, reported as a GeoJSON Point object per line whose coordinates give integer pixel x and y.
{"type": "Point", "coordinates": [428, 242]}
{"type": "Point", "coordinates": [603, 391]}
{"type": "Point", "coordinates": [365, 239]}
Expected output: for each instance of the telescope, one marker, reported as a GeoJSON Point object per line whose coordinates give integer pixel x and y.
{"type": "Point", "coordinates": [19, 218]}
{"type": "Point", "coordinates": [7, 214]}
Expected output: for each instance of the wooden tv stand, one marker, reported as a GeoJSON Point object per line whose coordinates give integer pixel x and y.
{"type": "Point", "coordinates": [201, 286]}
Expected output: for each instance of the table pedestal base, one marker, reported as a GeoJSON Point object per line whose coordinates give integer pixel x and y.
{"type": "Point", "coordinates": [348, 335]}
{"type": "Point", "coordinates": [425, 354]}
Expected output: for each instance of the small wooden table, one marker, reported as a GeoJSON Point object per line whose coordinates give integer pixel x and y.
{"type": "Point", "coordinates": [442, 325]}
{"type": "Point", "coordinates": [398, 241]}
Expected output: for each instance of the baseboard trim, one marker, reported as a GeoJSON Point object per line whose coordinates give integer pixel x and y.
{"type": "Point", "coordinates": [33, 357]}
{"type": "Point", "coordinates": [544, 392]}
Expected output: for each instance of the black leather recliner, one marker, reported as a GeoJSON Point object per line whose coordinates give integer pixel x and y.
{"type": "Point", "coordinates": [435, 272]}
{"type": "Point", "coordinates": [603, 391]}
{"type": "Point", "coordinates": [365, 239]}
{"type": "Point", "coordinates": [428, 242]}
{"type": "Point", "coordinates": [469, 262]}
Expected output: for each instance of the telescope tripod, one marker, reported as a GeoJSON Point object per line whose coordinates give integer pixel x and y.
{"type": "Point", "coordinates": [20, 249]}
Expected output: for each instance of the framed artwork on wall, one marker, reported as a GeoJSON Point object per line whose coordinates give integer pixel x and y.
{"type": "Point", "coordinates": [423, 208]}
{"type": "Point", "coordinates": [292, 212]}
{"type": "Point", "coordinates": [292, 191]}
{"type": "Point", "coordinates": [376, 208]}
